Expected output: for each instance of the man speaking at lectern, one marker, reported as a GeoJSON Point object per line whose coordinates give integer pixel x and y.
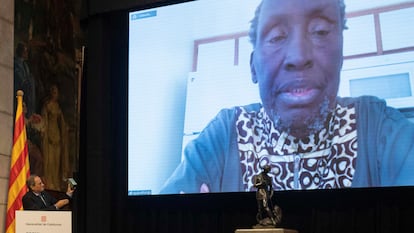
{"type": "Point", "coordinates": [37, 199]}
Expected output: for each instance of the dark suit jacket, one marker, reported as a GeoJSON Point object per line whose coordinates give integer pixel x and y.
{"type": "Point", "coordinates": [33, 202]}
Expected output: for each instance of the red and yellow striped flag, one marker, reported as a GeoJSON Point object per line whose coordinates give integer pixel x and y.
{"type": "Point", "coordinates": [19, 167]}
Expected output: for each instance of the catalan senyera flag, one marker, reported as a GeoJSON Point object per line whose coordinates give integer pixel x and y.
{"type": "Point", "coordinates": [19, 167]}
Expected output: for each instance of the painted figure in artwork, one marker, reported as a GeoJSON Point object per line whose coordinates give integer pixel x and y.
{"type": "Point", "coordinates": [55, 146]}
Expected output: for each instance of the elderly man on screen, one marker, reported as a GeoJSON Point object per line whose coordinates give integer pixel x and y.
{"type": "Point", "coordinates": [310, 137]}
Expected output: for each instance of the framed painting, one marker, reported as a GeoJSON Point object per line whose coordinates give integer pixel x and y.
{"type": "Point", "coordinates": [48, 67]}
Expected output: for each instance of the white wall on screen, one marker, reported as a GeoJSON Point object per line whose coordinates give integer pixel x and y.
{"type": "Point", "coordinates": [215, 56]}
{"type": "Point", "coordinates": [245, 49]}
{"type": "Point", "coordinates": [358, 5]}
{"type": "Point", "coordinates": [159, 61]}
{"type": "Point", "coordinates": [396, 27]}
{"type": "Point", "coordinates": [360, 36]}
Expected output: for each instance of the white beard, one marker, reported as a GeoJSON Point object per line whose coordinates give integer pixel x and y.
{"type": "Point", "coordinates": [313, 123]}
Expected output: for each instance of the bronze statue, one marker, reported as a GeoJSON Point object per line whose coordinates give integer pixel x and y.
{"type": "Point", "coordinates": [268, 215]}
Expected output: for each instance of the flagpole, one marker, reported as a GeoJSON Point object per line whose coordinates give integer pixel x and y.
{"type": "Point", "coordinates": [19, 167]}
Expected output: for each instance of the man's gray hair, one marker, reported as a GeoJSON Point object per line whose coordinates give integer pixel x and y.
{"type": "Point", "coordinates": [255, 21]}
{"type": "Point", "coordinates": [31, 181]}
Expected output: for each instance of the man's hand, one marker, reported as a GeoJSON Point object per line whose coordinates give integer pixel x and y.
{"type": "Point", "coordinates": [61, 203]}
{"type": "Point", "coordinates": [203, 189]}
{"type": "Point", "coordinates": [70, 190]}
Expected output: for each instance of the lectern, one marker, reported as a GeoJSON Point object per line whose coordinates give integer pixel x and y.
{"type": "Point", "coordinates": [43, 221]}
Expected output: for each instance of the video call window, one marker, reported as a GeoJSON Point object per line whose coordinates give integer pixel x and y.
{"type": "Point", "coordinates": [188, 61]}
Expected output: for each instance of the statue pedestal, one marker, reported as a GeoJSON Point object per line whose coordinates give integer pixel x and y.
{"type": "Point", "coordinates": [266, 230]}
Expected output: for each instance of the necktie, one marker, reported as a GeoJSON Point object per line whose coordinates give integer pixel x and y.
{"type": "Point", "coordinates": [41, 197]}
